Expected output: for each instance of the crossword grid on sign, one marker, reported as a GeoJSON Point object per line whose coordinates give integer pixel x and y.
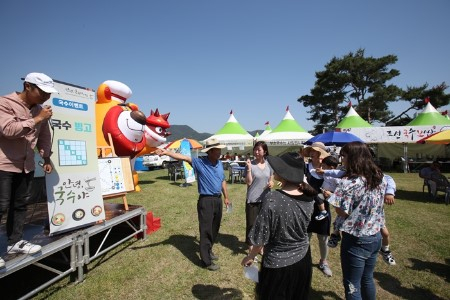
{"type": "Point", "coordinates": [72, 153]}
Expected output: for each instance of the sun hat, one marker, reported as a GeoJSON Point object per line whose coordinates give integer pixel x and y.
{"type": "Point", "coordinates": [289, 166]}
{"type": "Point", "coordinates": [317, 146]}
{"type": "Point", "coordinates": [43, 82]}
{"type": "Point", "coordinates": [212, 143]}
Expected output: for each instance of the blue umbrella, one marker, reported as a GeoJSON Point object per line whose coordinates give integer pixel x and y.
{"type": "Point", "coordinates": [331, 138]}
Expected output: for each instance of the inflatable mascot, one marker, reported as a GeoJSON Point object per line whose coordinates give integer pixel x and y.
{"type": "Point", "coordinates": [155, 135]}
{"type": "Point", "coordinates": [118, 123]}
{"type": "Point", "coordinates": [156, 131]}
{"type": "Point", "coordinates": [124, 127]}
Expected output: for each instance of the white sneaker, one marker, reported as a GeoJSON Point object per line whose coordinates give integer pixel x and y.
{"type": "Point", "coordinates": [325, 268]}
{"type": "Point", "coordinates": [388, 258]}
{"type": "Point", "coordinates": [322, 215]}
{"type": "Point", "coordinates": [24, 247]}
{"type": "Point", "coordinates": [2, 263]}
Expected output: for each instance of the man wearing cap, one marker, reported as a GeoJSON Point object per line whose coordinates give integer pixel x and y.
{"type": "Point", "coordinates": [211, 185]}
{"type": "Point", "coordinates": [24, 128]}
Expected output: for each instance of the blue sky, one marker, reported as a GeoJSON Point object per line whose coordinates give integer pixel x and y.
{"type": "Point", "coordinates": [199, 60]}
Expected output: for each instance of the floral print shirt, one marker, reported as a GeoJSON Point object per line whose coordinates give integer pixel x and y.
{"type": "Point", "coordinates": [363, 206]}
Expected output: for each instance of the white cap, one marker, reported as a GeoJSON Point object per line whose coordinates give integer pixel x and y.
{"type": "Point", "coordinates": [44, 82]}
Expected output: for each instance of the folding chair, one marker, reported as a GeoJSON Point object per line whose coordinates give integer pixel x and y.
{"type": "Point", "coordinates": [442, 185]}
{"type": "Point", "coordinates": [234, 174]}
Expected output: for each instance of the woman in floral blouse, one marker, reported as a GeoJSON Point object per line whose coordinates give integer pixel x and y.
{"type": "Point", "coordinates": [359, 198]}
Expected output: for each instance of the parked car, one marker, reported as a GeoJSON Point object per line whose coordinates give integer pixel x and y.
{"type": "Point", "coordinates": [155, 161]}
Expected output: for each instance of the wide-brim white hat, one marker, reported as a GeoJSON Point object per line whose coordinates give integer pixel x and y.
{"type": "Point", "coordinates": [212, 143]}
{"type": "Point", "coordinates": [317, 146]}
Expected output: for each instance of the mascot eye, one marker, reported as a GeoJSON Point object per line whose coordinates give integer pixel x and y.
{"type": "Point", "coordinates": [158, 129]}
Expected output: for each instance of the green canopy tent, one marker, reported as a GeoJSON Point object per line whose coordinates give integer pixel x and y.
{"type": "Point", "coordinates": [429, 116]}
{"type": "Point", "coordinates": [233, 135]}
{"type": "Point", "coordinates": [352, 120]}
{"type": "Point", "coordinates": [286, 136]}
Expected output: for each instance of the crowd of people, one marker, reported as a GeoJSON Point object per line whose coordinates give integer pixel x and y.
{"type": "Point", "coordinates": [289, 215]}
{"type": "Point", "coordinates": [280, 220]}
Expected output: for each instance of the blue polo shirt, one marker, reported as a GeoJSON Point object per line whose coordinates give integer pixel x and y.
{"type": "Point", "coordinates": [209, 176]}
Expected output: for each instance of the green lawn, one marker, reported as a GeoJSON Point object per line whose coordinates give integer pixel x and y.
{"type": "Point", "coordinates": [167, 266]}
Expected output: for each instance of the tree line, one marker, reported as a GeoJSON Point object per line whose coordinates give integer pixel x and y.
{"type": "Point", "coordinates": [363, 82]}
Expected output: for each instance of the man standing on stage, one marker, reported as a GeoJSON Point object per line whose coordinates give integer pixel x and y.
{"type": "Point", "coordinates": [211, 185]}
{"type": "Point", "coordinates": [24, 127]}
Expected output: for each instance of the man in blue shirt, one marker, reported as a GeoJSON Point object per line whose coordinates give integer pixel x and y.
{"type": "Point", "coordinates": [211, 185]}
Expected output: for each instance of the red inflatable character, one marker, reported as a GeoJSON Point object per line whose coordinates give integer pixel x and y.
{"type": "Point", "coordinates": [125, 124]}
{"type": "Point", "coordinates": [156, 131]}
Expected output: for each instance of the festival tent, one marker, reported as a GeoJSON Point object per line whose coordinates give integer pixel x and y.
{"type": "Point", "coordinates": [442, 137]}
{"type": "Point", "coordinates": [266, 131]}
{"type": "Point", "coordinates": [287, 134]}
{"type": "Point", "coordinates": [233, 135]}
{"type": "Point", "coordinates": [429, 116]}
{"type": "Point", "coordinates": [397, 144]}
{"type": "Point", "coordinates": [352, 119]}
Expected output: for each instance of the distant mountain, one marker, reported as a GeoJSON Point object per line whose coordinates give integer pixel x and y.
{"type": "Point", "coordinates": [184, 131]}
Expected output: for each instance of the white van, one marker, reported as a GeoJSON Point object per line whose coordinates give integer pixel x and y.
{"type": "Point", "coordinates": [155, 161]}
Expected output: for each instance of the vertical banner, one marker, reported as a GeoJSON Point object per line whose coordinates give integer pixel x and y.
{"type": "Point", "coordinates": [74, 190]}
{"type": "Point", "coordinates": [185, 149]}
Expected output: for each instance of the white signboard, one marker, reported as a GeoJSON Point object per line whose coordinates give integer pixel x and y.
{"type": "Point", "coordinates": [73, 188]}
{"type": "Point", "coordinates": [395, 134]}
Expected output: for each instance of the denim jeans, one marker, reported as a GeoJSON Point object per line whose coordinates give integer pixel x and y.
{"type": "Point", "coordinates": [14, 196]}
{"type": "Point", "coordinates": [358, 260]}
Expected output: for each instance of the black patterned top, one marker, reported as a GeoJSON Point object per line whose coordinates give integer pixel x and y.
{"type": "Point", "coordinates": [281, 226]}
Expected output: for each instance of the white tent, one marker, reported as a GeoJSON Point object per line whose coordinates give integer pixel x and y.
{"type": "Point", "coordinates": [287, 133]}
{"type": "Point", "coordinates": [429, 116]}
{"type": "Point", "coordinates": [352, 119]}
{"type": "Point", "coordinates": [266, 131]}
{"type": "Point", "coordinates": [233, 135]}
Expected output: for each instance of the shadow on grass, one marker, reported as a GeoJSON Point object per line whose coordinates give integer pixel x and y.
{"type": "Point", "coordinates": [187, 245]}
{"type": "Point", "coordinates": [419, 197]}
{"type": "Point", "coordinates": [141, 182]}
{"type": "Point", "coordinates": [413, 196]}
{"type": "Point", "coordinates": [232, 242]}
{"type": "Point", "coordinates": [202, 291]}
{"type": "Point", "coordinates": [323, 295]}
{"type": "Point", "coordinates": [393, 286]}
{"type": "Point", "coordinates": [438, 269]}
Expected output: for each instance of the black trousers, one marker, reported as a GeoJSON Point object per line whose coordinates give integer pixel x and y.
{"type": "Point", "coordinates": [209, 210]}
{"type": "Point", "coordinates": [251, 212]}
{"type": "Point", "coordinates": [291, 282]}
{"type": "Point", "coordinates": [14, 195]}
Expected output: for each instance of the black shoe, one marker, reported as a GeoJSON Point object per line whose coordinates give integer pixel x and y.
{"type": "Point", "coordinates": [213, 257]}
{"type": "Point", "coordinates": [213, 267]}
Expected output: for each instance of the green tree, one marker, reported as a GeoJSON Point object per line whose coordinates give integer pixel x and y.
{"type": "Point", "coordinates": [353, 79]}
{"type": "Point", "coordinates": [417, 98]}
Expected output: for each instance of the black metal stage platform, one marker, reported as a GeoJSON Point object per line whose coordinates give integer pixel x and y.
{"type": "Point", "coordinates": [67, 253]}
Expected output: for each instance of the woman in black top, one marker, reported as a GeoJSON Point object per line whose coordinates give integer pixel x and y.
{"type": "Point", "coordinates": [281, 228]}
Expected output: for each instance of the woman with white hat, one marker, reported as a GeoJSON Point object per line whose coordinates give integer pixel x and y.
{"type": "Point", "coordinates": [281, 228]}
{"type": "Point", "coordinates": [317, 151]}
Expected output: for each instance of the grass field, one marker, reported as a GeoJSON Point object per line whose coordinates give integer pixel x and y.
{"type": "Point", "coordinates": [166, 265]}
